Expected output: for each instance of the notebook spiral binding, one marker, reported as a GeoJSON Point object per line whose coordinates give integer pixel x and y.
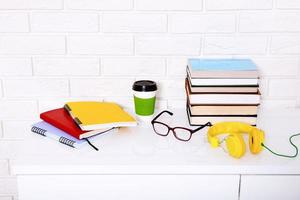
{"type": "Point", "coordinates": [67, 141]}
{"type": "Point", "coordinates": [38, 130]}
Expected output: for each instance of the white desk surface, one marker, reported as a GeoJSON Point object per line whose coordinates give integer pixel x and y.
{"type": "Point", "coordinates": [139, 150]}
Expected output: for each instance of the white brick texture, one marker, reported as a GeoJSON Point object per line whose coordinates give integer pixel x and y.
{"type": "Point", "coordinates": [168, 45]}
{"type": "Point", "coordinates": [285, 45]}
{"type": "Point", "coordinates": [168, 5]}
{"type": "Point", "coordinates": [14, 129]}
{"type": "Point", "coordinates": [6, 198]}
{"type": "Point", "coordinates": [7, 185]}
{"type": "Point", "coordinates": [66, 66]}
{"type": "Point", "coordinates": [278, 66]}
{"type": "Point", "coordinates": [31, 4]}
{"type": "Point", "coordinates": [236, 45]}
{"type": "Point", "coordinates": [32, 45]}
{"type": "Point", "coordinates": [284, 87]}
{"type": "Point", "coordinates": [54, 51]}
{"type": "Point", "coordinates": [18, 109]}
{"type": "Point", "coordinates": [238, 4]}
{"type": "Point", "coordinates": [36, 87]}
{"type": "Point", "coordinates": [270, 22]}
{"type": "Point", "coordinates": [121, 66]}
{"type": "Point", "coordinates": [64, 22]}
{"type": "Point", "coordinates": [202, 23]}
{"type": "Point", "coordinates": [136, 23]}
{"type": "Point", "coordinates": [175, 66]}
{"type": "Point", "coordinates": [13, 22]}
{"type": "Point", "coordinates": [4, 167]}
{"type": "Point", "coordinates": [103, 45]}
{"type": "Point", "coordinates": [15, 66]}
{"type": "Point", "coordinates": [288, 4]}
{"type": "Point", "coordinates": [99, 4]}
{"type": "Point", "coordinates": [102, 87]}
{"type": "Point", "coordinates": [1, 92]}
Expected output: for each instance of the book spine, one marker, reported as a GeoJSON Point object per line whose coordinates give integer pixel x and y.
{"type": "Point", "coordinates": [77, 121]}
{"type": "Point", "coordinates": [39, 131]}
{"type": "Point", "coordinates": [67, 107]}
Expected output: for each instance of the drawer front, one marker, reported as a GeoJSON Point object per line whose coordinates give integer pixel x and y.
{"type": "Point", "coordinates": [270, 187]}
{"type": "Point", "coordinates": [128, 187]}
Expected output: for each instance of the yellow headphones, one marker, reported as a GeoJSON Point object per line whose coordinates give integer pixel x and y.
{"type": "Point", "coordinates": [234, 142]}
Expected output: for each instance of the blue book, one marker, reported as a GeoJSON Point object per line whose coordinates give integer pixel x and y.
{"type": "Point", "coordinates": [47, 130]}
{"type": "Point", "coordinates": [222, 68]}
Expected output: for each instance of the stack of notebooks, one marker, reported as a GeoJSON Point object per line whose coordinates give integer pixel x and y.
{"type": "Point", "coordinates": [79, 122]}
{"type": "Point", "coordinates": [222, 90]}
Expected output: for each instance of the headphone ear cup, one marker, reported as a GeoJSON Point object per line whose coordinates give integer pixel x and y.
{"type": "Point", "coordinates": [235, 145]}
{"type": "Point", "coordinates": [256, 137]}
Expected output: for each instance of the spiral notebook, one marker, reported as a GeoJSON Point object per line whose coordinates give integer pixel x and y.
{"type": "Point", "coordinates": [47, 130]}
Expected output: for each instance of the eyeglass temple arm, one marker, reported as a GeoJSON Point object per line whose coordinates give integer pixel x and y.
{"type": "Point", "coordinates": [202, 126]}
{"type": "Point", "coordinates": [170, 113]}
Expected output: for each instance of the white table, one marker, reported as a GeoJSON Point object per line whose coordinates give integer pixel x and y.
{"type": "Point", "coordinates": [135, 163]}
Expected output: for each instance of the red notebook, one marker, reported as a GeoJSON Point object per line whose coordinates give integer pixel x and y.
{"type": "Point", "coordinates": [61, 119]}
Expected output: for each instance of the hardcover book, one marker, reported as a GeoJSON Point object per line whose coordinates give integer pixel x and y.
{"type": "Point", "coordinates": [222, 68]}
{"type": "Point", "coordinates": [61, 119]}
{"type": "Point", "coordinates": [99, 115]}
{"type": "Point", "coordinates": [222, 98]}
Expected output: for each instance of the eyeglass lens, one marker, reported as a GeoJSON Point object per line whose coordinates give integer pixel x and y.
{"type": "Point", "coordinates": [182, 134]}
{"type": "Point", "coordinates": [161, 129]}
{"type": "Point", "coordinates": [179, 133]}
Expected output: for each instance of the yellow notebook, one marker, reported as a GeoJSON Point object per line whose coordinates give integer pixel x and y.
{"type": "Point", "coordinates": [91, 115]}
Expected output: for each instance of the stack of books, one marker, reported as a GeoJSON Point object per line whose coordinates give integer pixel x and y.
{"type": "Point", "coordinates": [222, 90]}
{"type": "Point", "coordinates": [79, 122]}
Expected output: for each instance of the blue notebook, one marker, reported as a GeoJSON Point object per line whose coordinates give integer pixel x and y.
{"type": "Point", "coordinates": [221, 65]}
{"type": "Point", "coordinates": [47, 130]}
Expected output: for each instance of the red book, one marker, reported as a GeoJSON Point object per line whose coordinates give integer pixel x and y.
{"type": "Point", "coordinates": [61, 119]}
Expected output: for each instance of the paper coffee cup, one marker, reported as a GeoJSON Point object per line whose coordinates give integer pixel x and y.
{"type": "Point", "coordinates": [144, 93]}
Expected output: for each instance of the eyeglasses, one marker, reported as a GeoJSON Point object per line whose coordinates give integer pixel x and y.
{"type": "Point", "coordinates": [181, 133]}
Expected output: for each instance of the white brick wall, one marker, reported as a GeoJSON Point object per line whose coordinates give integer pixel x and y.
{"type": "Point", "coordinates": [134, 22]}
{"type": "Point", "coordinates": [99, 4]}
{"type": "Point", "coordinates": [66, 66]}
{"type": "Point", "coordinates": [29, 44]}
{"type": "Point", "coordinates": [285, 45]}
{"type": "Point", "coordinates": [103, 45]}
{"type": "Point", "coordinates": [290, 4]}
{"type": "Point", "coordinates": [53, 51]}
{"type": "Point", "coordinates": [30, 4]}
{"type": "Point", "coordinates": [15, 66]}
{"type": "Point", "coordinates": [235, 45]}
{"type": "Point", "coordinates": [187, 5]}
{"type": "Point", "coordinates": [202, 23]}
{"type": "Point", "coordinates": [133, 66]}
{"type": "Point", "coordinates": [238, 4]}
{"type": "Point", "coordinates": [64, 22]}
{"type": "Point", "coordinates": [168, 45]}
{"type": "Point", "coordinates": [270, 21]}
{"type": "Point", "coordinates": [13, 22]}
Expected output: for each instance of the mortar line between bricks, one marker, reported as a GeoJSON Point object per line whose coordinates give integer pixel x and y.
{"type": "Point", "coordinates": [2, 130]}
{"type": "Point", "coordinates": [29, 21]}
{"type": "Point", "coordinates": [100, 66]}
{"type": "Point", "coordinates": [237, 22]}
{"type": "Point", "coordinates": [204, 6]}
{"type": "Point", "coordinates": [9, 166]}
{"type": "Point", "coordinates": [134, 45]}
{"type": "Point", "coordinates": [69, 87]}
{"type": "Point", "coordinates": [2, 87]}
{"type": "Point", "coordinates": [32, 66]}
{"type": "Point", "coordinates": [66, 45]}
